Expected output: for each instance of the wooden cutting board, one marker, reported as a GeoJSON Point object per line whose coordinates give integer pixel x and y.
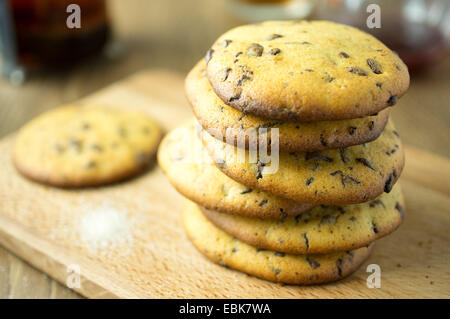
{"type": "Point", "coordinates": [42, 225]}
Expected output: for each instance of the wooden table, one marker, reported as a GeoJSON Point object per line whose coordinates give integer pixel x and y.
{"type": "Point", "coordinates": [149, 33]}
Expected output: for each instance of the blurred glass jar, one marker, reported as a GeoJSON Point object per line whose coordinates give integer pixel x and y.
{"type": "Point", "coordinates": [260, 10]}
{"type": "Point", "coordinates": [418, 30]}
{"type": "Point", "coordinates": [38, 36]}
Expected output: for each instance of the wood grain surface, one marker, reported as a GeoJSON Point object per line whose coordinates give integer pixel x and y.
{"type": "Point", "coordinates": [172, 35]}
{"type": "Point", "coordinates": [41, 224]}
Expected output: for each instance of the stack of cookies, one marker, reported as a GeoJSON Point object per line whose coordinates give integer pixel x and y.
{"type": "Point", "coordinates": [299, 174]}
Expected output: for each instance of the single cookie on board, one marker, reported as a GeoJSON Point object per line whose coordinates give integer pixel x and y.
{"type": "Point", "coordinates": [305, 71]}
{"type": "Point", "coordinates": [225, 250]}
{"type": "Point", "coordinates": [349, 175]}
{"type": "Point", "coordinates": [76, 146]}
{"type": "Point", "coordinates": [220, 119]}
{"type": "Point", "coordinates": [322, 230]}
{"type": "Point", "coordinates": [191, 171]}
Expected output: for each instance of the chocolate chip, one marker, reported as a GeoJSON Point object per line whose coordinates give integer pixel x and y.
{"type": "Point", "coordinates": [76, 144]}
{"type": "Point", "coordinates": [356, 70]}
{"type": "Point", "coordinates": [314, 264]}
{"type": "Point", "coordinates": [394, 173]}
{"type": "Point", "coordinates": [273, 37]}
{"type": "Point", "coordinates": [225, 43]}
{"type": "Point", "coordinates": [276, 271]}
{"type": "Point", "coordinates": [244, 77]}
{"type": "Point", "coordinates": [400, 209]}
{"type": "Point", "coordinates": [365, 162]}
{"type": "Point", "coordinates": [379, 85]}
{"type": "Point", "coordinates": [376, 202]}
{"type": "Point", "coordinates": [263, 202]}
{"type": "Point", "coordinates": [371, 125]}
{"type": "Point", "coordinates": [237, 54]}
{"type": "Point", "coordinates": [389, 182]}
{"type": "Point", "coordinates": [344, 55]}
{"type": "Point", "coordinates": [374, 228]}
{"type": "Point", "coordinates": [297, 42]}
{"type": "Point", "coordinates": [317, 156]}
{"type": "Point", "coordinates": [342, 152]}
{"type": "Point", "coordinates": [392, 100]}
{"type": "Point", "coordinates": [234, 250]}
{"type": "Point", "coordinates": [305, 237]}
{"type": "Point", "coordinates": [345, 178]}
{"type": "Point", "coordinates": [90, 164]}
{"type": "Point", "coordinates": [225, 74]}
{"type": "Point", "coordinates": [309, 181]}
{"type": "Point", "coordinates": [269, 124]}
{"type": "Point", "coordinates": [328, 78]}
{"type": "Point", "coordinates": [339, 266]}
{"type": "Point", "coordinates": [396, 133]}
{"type": "Point", "coordinates": [247, 191]}
{"type": "Point", "coordinates": [279, 254]}
{"type": "Point", "coordinates": [322, 140]}
{"type": "Point", "coordinates": [375, 66]}
{"type": "Point", "coordinates": [328, 220]}
{"type": "Point", "coordinates": [274, 51]}
{"type": "Point", "coordinates": [209, 55]}
{"type": "Point", "coordinates": [255, 49]}
{"type": "Point", "coordinates": [352, 130]}
{"type": "Point", "coordinates": [236, 95]}
{"type": "Point", "coordinates": [260, 167]}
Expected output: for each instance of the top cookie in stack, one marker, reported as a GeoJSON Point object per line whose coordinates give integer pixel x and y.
{"type": "Point", "coordinates": [316, 94]}
{"type": "Point", "coordinates": [305, 71]}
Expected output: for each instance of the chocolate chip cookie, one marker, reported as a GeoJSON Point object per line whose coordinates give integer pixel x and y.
{"type": "Point", "coordinates": [275, 266]}
{"type": "Point", "coordinates": [75, 146]}
{"type": "Point", "coordinates": [305, 71]}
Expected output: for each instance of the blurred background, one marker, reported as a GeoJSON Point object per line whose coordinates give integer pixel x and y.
{"type": "Point", "coordinates": [44, 64]}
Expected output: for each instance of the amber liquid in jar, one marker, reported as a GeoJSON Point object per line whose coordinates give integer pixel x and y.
{"type": "Point", "coordinates": [418, 45]}
{"type": "Point", "coordinates": [42, 35]}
